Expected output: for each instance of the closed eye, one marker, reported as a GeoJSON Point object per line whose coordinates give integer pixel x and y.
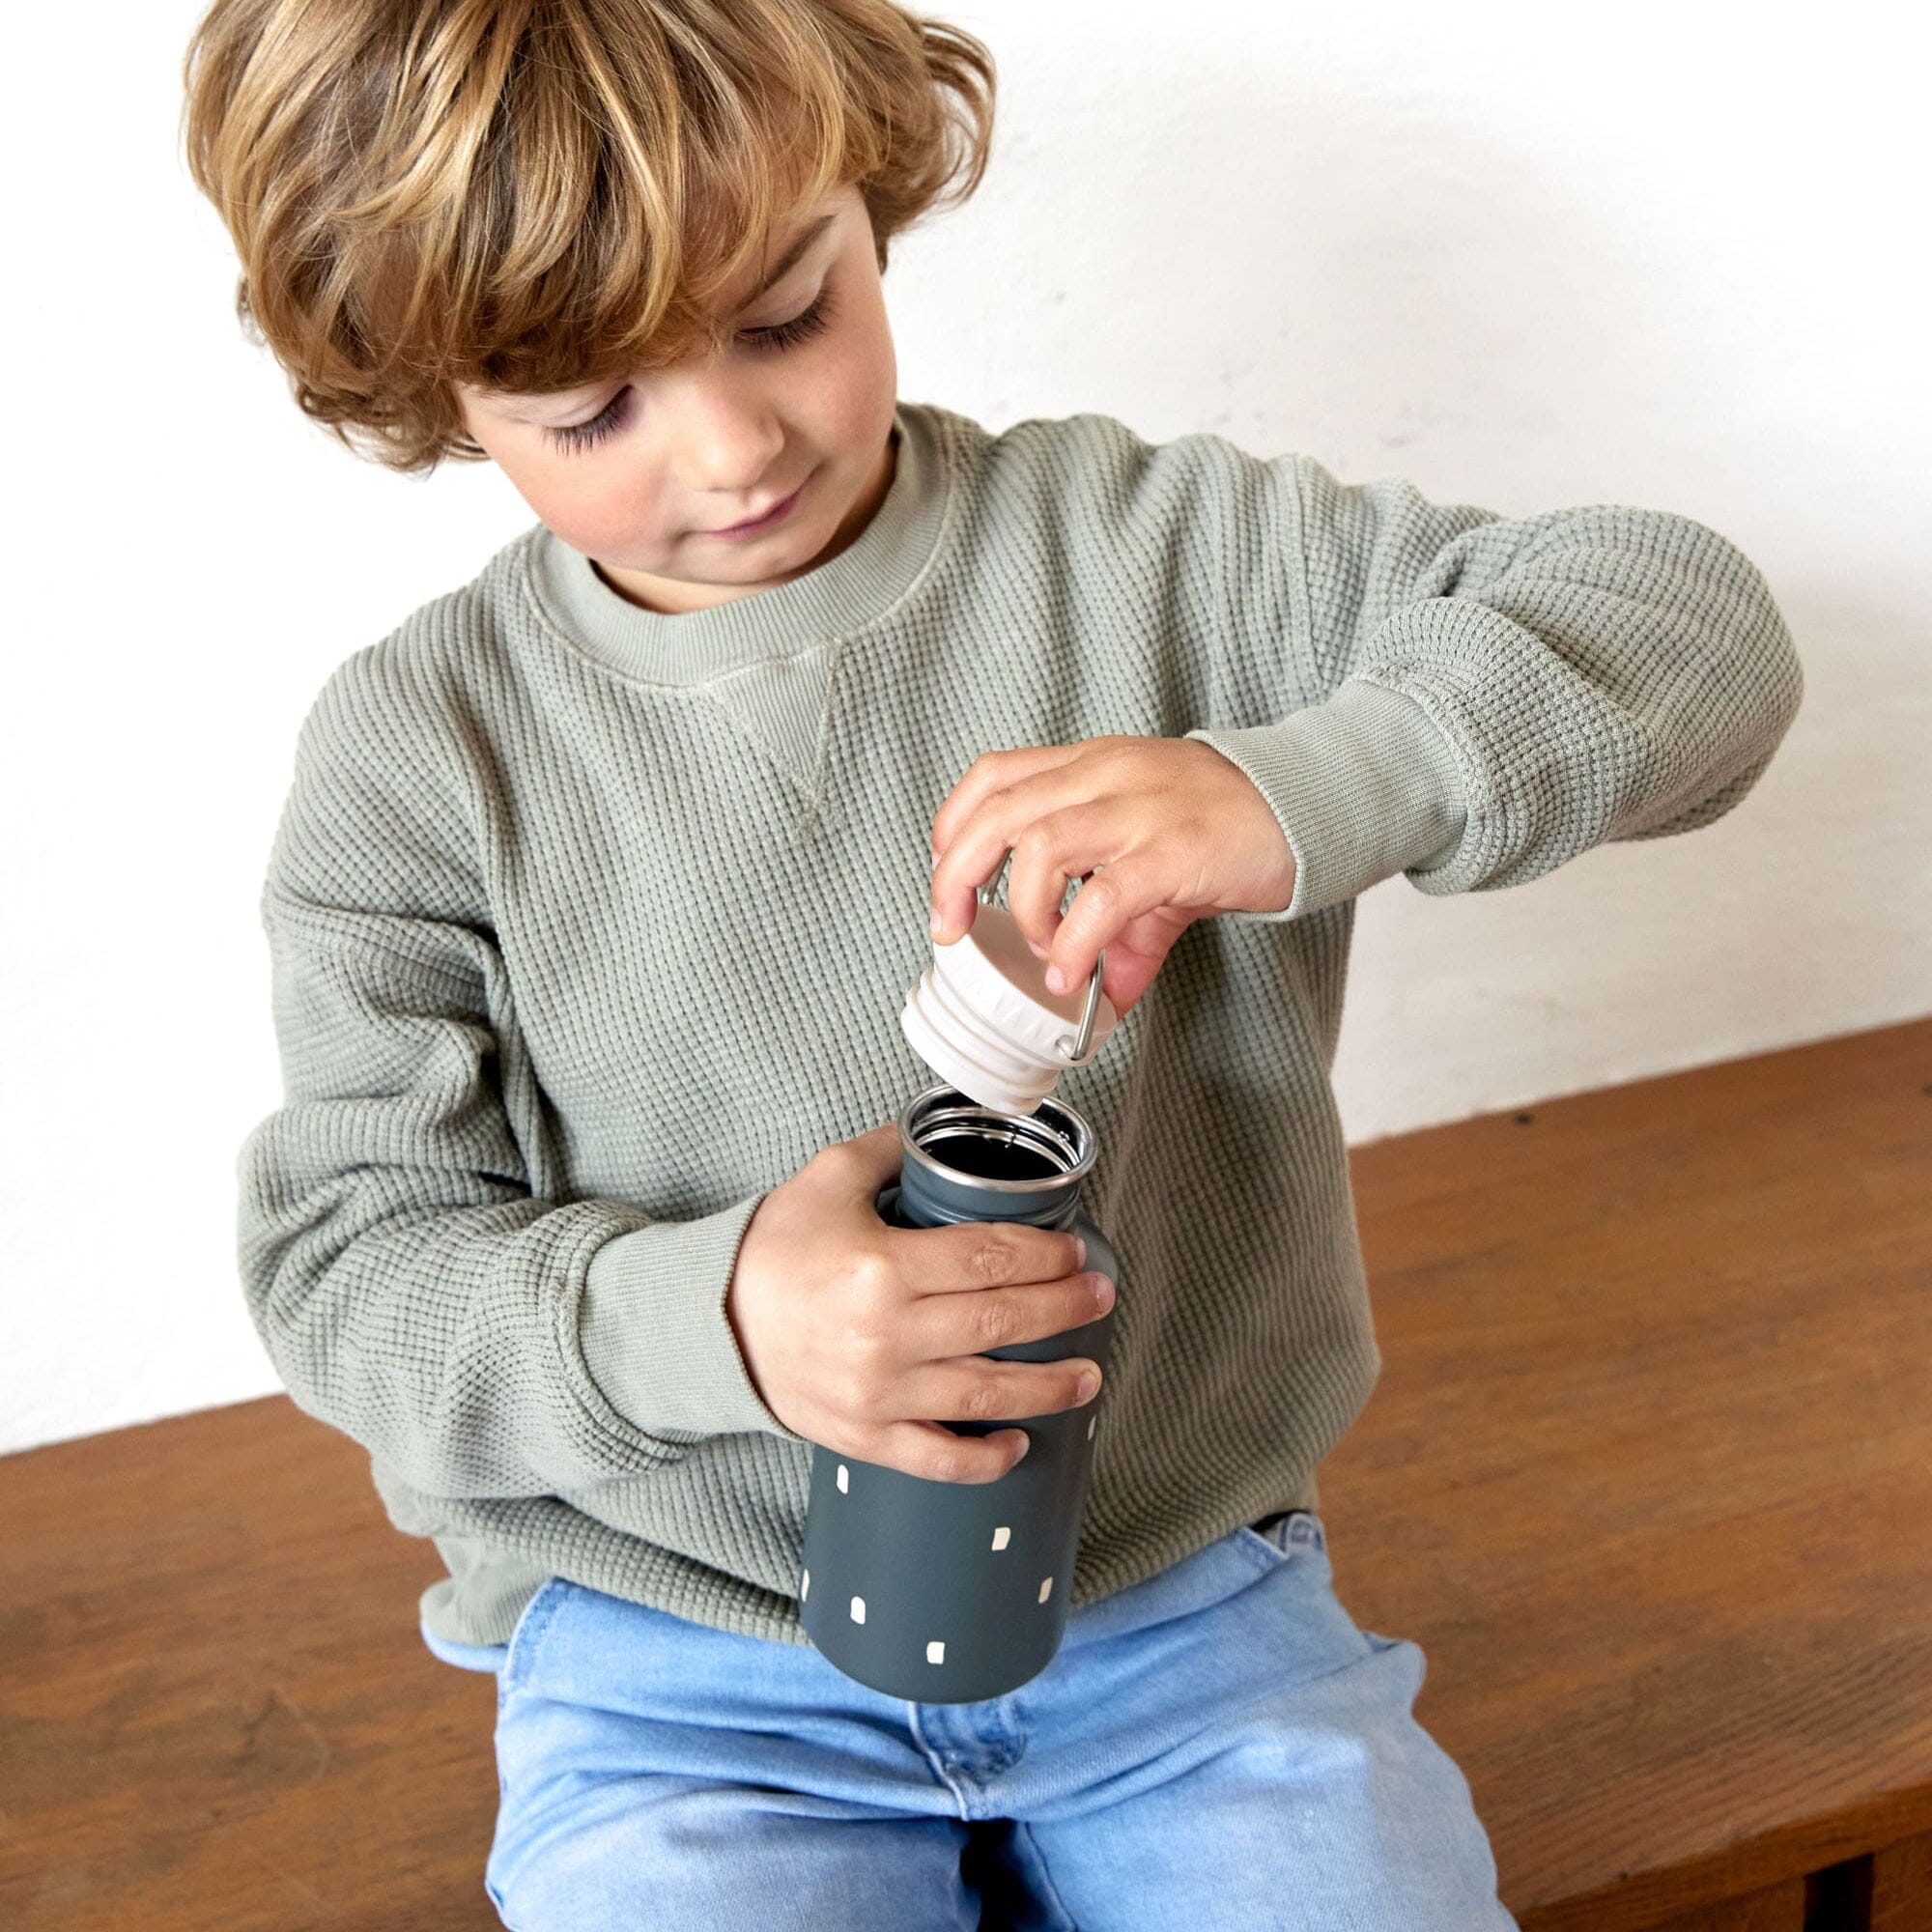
{"type": "Point", "coordinates": [801, 328]}
{"type": "Point", "coordinates": [612, 417]}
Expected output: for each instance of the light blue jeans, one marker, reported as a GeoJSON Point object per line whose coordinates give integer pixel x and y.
{"type": "Point", "coordinates": [1218, 1747]}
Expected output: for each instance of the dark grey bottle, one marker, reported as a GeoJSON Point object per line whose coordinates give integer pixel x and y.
{"type": "Point", "coordinates": [948, 1593]}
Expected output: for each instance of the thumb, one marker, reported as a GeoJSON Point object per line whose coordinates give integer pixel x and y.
{"type": "Point", "coordinates": [878, 1153]}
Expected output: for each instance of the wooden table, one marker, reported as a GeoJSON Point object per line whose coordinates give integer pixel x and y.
{"type": "Point", "coordinates": [1648, 1476]}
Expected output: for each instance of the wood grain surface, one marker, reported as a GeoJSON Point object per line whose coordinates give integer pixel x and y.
{"type": "Point", "coordinates": [1648, 1472]}
{"type": "Point", "coordinates": [1648, 1475]}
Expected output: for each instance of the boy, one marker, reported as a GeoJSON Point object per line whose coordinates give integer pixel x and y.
{"type": "Point", "coordinates": [594, 899]}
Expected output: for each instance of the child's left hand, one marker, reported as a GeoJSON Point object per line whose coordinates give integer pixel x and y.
{"type": "Point", "coordinates": [1181, 830]}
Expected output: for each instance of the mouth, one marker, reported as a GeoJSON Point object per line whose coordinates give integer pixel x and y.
{"type": "Point", "coordinates": [777, 514]}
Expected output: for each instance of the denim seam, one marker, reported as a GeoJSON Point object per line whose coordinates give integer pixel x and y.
{"type": "Point", "coordinates": [1072, 1924]}
{"type": "Point", "coordinates": [531, 1627]}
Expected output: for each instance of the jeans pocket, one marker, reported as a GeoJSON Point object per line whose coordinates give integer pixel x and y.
{"type": "Point", "coordinates": [1297, 1529]}
{"type": "Point", "coordinates": [528, 1637]}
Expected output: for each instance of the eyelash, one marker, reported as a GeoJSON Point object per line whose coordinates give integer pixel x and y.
{"type": "Point", "coordinates": [781, 336]}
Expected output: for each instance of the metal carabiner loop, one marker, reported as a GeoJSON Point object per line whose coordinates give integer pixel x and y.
{"type": "Point", "coordinates": [1074, 1045]}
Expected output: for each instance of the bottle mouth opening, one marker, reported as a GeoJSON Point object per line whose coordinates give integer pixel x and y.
{"type": "Point", "coordinates": [962, 1140]}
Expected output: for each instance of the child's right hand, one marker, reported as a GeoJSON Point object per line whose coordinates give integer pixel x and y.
{"type": "Point", "coordinates": [851, 1326]}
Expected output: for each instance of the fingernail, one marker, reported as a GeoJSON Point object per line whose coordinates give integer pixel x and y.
{"type": "Point", "coordinates": [1079, 1251]}
{"type": "Point", "coordinates": [936, 924]}
{"type": "Point", "coordinates": [1056, 980]}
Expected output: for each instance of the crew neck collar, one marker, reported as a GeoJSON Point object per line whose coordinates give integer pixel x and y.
{"type": "Point", "coordinates": [855, 589]}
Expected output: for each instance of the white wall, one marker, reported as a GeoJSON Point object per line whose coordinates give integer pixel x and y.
{"type": "Point", "coordinates": [1526, 259]}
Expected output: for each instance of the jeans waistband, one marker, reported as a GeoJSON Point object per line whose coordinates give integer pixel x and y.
{"type": "Point", "coordinates": [1218, 1570]}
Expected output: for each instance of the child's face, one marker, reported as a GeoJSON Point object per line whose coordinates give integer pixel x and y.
{"type": "Point", "coordinates": [688, 449]}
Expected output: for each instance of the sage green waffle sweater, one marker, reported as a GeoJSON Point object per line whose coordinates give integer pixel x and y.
{"type": "Point", "coordinates": [590, 925]}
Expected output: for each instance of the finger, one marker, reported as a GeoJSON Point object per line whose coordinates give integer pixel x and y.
{"type": "Point", "coordinates": [865, 1163]}
{"type": "Point", "coordinates": [973, 1255]}
{"type": "Point", "coordinates": [951, 1332]}
{"type": "Point", "coordinates": [939, 1455]}
{"type": "Point", "coordinates": [1112, 900]}
{"type": "Point", "coordinates": [1061, 847]}
{"type": "Point", "coordinates": [977, 841]}
{"type": "Point", "coordinates": [988, 772]}
{"type": "Point", "coordinates": [986, 1388]}
{"type": "Point", "coordinates": [974, 841]}
{"type": "Point", "coordinates": [995, 827]}
{"type": "Point", "coordinates": [1134, 953]}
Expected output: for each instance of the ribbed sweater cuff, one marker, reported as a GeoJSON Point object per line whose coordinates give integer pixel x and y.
{"type": "Point", "coordinates": [654, 1332]}
{"type": "Point", "coordinates": [1363, 786]}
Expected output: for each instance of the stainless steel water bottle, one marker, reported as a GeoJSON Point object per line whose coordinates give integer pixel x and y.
{"type": "Point", "coordinates": [949, 1592]}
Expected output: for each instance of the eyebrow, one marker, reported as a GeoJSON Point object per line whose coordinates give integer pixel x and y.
{"type": "Point", "coordinates": [789, 260]}
{"type": "Point", "coordinates": [784, 266]}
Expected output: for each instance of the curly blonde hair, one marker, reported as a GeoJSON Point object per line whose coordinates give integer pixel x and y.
{"type": "Point", "coordinates": [532, 195]}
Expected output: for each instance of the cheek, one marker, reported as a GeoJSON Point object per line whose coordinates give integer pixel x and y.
{"type": "Point", "coordinates": [612, 516]}
{"type": "Point", "coordinates": [865, 368]}
{"type": "Point", "coordinates": [594, 506]}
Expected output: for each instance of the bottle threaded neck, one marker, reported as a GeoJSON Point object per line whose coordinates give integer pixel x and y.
{"type": "Point", "coordinates": [964, 1161]}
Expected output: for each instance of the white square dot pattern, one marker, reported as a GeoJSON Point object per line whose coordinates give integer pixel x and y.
{"type": "Point", "coordinates": [936, 1653]}
{"type": "Point", "coordinates": [1045, 1588]}
{"type": "Point", "coordinates": [1001, 1537]}
{"type": "Point", "coordinates": [844, 1479]}
{"type": "Point", "coordinates": [859, 1609]}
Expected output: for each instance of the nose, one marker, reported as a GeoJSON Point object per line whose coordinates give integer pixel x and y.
{"type": "Point", "coordinates": [727, 440]}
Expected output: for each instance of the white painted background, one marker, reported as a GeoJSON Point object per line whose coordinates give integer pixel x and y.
{"type": "Point", "coordinates": [1664, 255]}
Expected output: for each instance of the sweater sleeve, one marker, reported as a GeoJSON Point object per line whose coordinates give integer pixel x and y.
{"type": "Point", "coordinates": [1433, 689]}
{"type": "Point", "coordinates": [410, 1277]}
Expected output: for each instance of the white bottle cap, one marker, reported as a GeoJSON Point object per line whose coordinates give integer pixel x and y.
{"type": "Point", "coordinates": [982, 1018]}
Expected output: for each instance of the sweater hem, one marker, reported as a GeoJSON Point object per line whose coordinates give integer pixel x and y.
{"type": "Point", "coordinates": [470, 1624]}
